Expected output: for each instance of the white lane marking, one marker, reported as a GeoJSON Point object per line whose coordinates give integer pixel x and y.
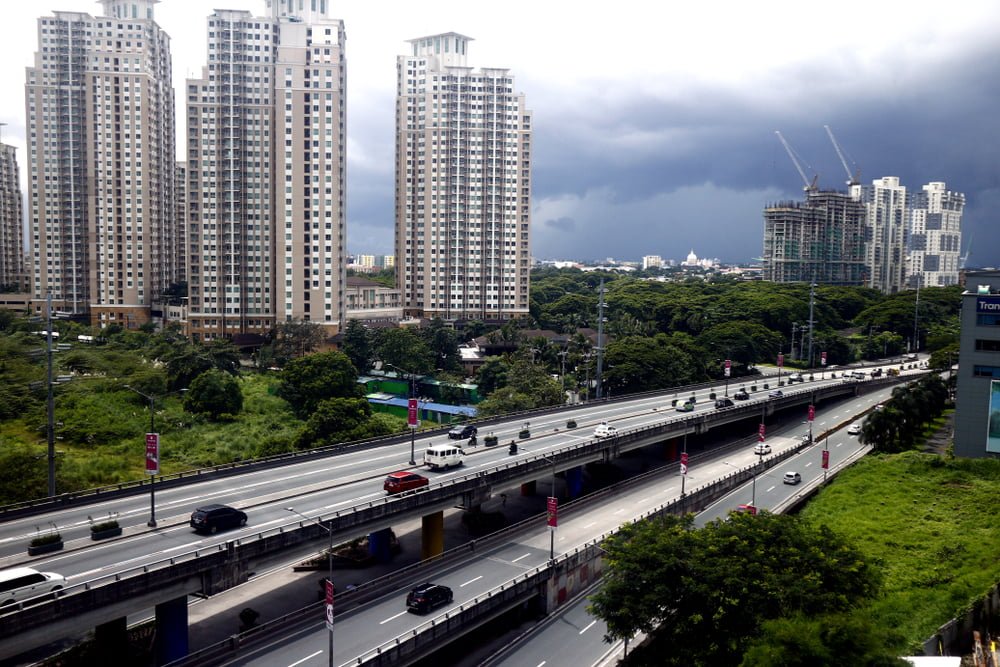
{"type": "Point", "coordinates": [642, 501]}
{"type": "Point", "coordinates": [589, 626]}
{"type": "Point", "coordinates": [470, 581]}
{"type": "Point", "coordinates": [839, 444]}
{"type": "Point", "coordinates": [392, 618]}
{"type": "Point", "coordinates": [541, 664]}
{"type": "Point", "coordinates": [621, 511]}
{"type": "Point", "coordinates": [183, 546]}
{"type": "Point", "coordinates": [520, 557]}
{"type": "Point", "coordinates": [770, 489]}
{"type": "Point", "coordinates": [308, 657]}
{"type": "Point", "coordinates": [808, 464]}
{"type": "Point", "coordinates": [592, 523]}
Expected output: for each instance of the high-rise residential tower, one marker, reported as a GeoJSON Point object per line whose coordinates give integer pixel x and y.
{"type": "Point", "coordinates": [885, 236]}
{"type": "Point", "coordinates": [100, 118]}
{"type": "Point", "coordinates": [820, 240]}
{"type": "Point", "coordinates": [935, 237]}
{"type": "Point", "coordinates": [11, 221]}
{"type": "Point", "coordinates": [266, 172]}
{"type": "Point", "coordinates": [463, 185]}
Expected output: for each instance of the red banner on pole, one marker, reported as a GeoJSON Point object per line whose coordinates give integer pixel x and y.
{"type": "Point", "coordinates": [729, 364]}
{"type": "Point", "coordinates": [684, 463]}
{"type": "Point", "coordinates": [781, 360]}
{"type": "Point", "coordinates": [822, 358]}
{"type": "Point", "coordinates": [760, 433]}
{"type": "Point", "coordinates": [411, 414]}
{"type": "Point", "coordinates": [152, 453]}
{"type": "Point", "coordinates": [826, 459]}
{"type": "Point", "coordinates": [552, 511]}
{"type": "Point", "coordinates": [812, 412]}
{"type": "Point", "coordinates": [329, 604]}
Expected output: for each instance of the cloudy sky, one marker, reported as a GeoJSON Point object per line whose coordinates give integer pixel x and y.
{"type": "Point", "coordinates": [654, 121]}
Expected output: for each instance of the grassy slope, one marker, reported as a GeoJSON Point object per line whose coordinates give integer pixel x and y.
{"type": "Point", "coordinates": [929, 521]}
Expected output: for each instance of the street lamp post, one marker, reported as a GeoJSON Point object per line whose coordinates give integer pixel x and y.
{"type": "Point", "coordinates": [413, 426]}
{"type": "Point", "coordinates": [152, 454]}
{"type": "Point", "coordinates": [329, 562]}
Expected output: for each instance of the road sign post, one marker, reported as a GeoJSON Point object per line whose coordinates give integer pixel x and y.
{"type": "Point", "coordinates": [552, 519]}
{"type": "Point", "coordinates": [329, 614]}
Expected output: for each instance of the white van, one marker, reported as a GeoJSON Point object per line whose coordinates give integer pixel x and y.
{"type": "Point", "coordinates": [443, 456]}
{"type": "Point", "coordinates": [21, 583]}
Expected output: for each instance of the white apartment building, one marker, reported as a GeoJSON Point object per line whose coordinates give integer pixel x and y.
{"type": "Point", "coordinates": [11, 221]}
{"type": "Point", "coordinates": [100, 119]}
{"type": "Point", "coordinates": [935, 238]}
{"type": "Point", "coordinates": [885, 235]}
{"type": "Point", "coordinates": [266, 172]}
{"type": "Point", "coordinates": [463, 185]}
{"type": "Point", "coordinates": [651, 262]}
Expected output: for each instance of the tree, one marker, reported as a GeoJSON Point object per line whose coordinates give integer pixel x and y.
{"type": "Point", "coordinates": [406, 349]}
{"type": "Point", "coordinates": [295, 339]}
{"type": "Point", "coordinates": [337, 420]}
{"type": "Point", "coordinates": [358, 346]}
{"type": "Point", "coordinates": [722, 582]}
{"type": "Point", "coordinates": [308, 380]}
{"type": "Point", "coordinates": [215, 394]}
{"type": "Point", "coordinates": [443, 345]}
{"type": "Point", "coordinates": [641, 363]}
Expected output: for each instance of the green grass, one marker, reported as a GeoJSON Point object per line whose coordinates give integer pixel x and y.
{"type": "Point", "coordinates": [928, 521]}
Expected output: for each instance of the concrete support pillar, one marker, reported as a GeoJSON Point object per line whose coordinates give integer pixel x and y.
{"type": "Point", "coordinates": [380, 545]}
{"type": "Point", "coordinates": [574, 482]}
{"type": "Point", "coordinates": [171, 630]}
{"type": "Point", "coordinates": [432, 534]}
{"type": "Point", "coordinates": [528, 489]}
{"type": "Point", "coordinates": [111, 640]}
{"type": "Point", "coordinates": [670, 451]}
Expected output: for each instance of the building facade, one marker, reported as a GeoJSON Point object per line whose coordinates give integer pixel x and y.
{"type": "Point", "coordinates": [463, 185]}
{"type": "Point", "coordinates": [977, 396]}
{"type": "Point", "coordinates": [935, 239]}
{"type": "Point", "coordinates": [266, 172]}
{"type": "Point", "coordinates": [819, 240]}
{"type": "Point", "coordinates": [11, 221]}
{"type": "Point", "coordinates": [100, 119]}
{"type": "Point", "coordinates": [885, 238]}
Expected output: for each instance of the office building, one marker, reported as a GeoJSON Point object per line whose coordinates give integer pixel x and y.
{"type": "Point", "coordinates": [818, 240]}
{"type": "Point", "coordinates": [977, 396]}
{"type": "Point", "coordinates": [11, 222]}
{"type": "Point", "coordinates": [100, 164]}
{"type": "Point", "coordinates": [463, 185]}
{"type": "Point", "coordinates": [266, 172]}
{"type": "Point", "coordinates": [935, 238]}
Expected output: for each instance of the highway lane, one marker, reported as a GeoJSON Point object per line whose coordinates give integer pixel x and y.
{"type": "Point", "coordinates": [361, 631]}
{"type": "Point", "coordinates": [256, 488]}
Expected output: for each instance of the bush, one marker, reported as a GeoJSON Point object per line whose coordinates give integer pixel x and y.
{"type": "Point", "coordinates": [491, 440]}
{"type": "Point", "coordinates": [42, 540]}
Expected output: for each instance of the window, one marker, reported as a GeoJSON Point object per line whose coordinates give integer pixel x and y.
{"type": "Point", "coordinates": [987, 345]}
{"type": "Point", "coordinates": [986, 372]}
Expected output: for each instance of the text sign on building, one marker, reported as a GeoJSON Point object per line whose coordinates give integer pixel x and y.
{"type": "Point", "coordinates": [152, 453]}
{"type": "Point", "coordinates": [411, 414]}
{"type": "Point", "coordinates": [552, 512]}
{"type": "Point", "coordinates": [988, 304]}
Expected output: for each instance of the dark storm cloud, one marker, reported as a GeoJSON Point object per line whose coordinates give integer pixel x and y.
{"type": "Point", "coordinates": [561, 224]}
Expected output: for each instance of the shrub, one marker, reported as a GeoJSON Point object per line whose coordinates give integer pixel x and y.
{"type": "Point", "coordinates": [50, 538]}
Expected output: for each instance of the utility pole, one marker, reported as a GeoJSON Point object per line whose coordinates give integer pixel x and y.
{"type": "Point", "coordinates": [916, 314]}
{"type": "Point", "coordinates": [812, 303]}
{"type": "Point", "coordinates": [600, 336]}
{"type": "Point", "coordinates": [50, 430]}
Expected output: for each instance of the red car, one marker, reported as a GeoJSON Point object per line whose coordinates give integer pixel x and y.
{"type": "Point", "coordinates": [400, 481]}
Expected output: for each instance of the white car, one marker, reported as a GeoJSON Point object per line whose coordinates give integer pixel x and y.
{"type": "Point", "coordinates": [605, 430]}
{"type": "Point", "coordinates": [854, 429]}
{"type": "Point", "coordinates": [792, 478]}
{"type": "Point", "coordinates": [761, 448]}
{"type": "Point", "coordinates": [21, 583]}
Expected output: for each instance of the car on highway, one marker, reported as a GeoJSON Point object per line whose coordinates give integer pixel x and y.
{"type": "Point", "coordinates": [21, 583]}
{"type": "Point", "coordinates": [403, 480]}
{"type": "Point", "coordinates": [463, 432]}
{"type": "Point", "coordinates": [795, 377]}
{"type": "Point", "coordinates": [761, 448]}
{"type": "Point", "coordinates": [791, 477]}
{"type": "Point", "coordinates": [426, 597]}
{"type": "Point", "coordinates": [686, 406]}
{"type": "Point", "coordinates": [741, 395]}
{"type": "Point", "coordinates": [210, 518]}
{"type": "Point", "coordinates": [746, 509]}
{"type": "Point", "coordinates": [443, 456]}
{"type": "Point", "coordinates": [854, 429]}
{"type": "Point", "coordinates": [724, 402]}
{"type": "Point", "coordinates": [605, 430]}
{"type": "Point", "coordinates": [775, 393]}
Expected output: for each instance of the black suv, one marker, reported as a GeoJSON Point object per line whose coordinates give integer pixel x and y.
{"type": "Point", "coordinates": [462, 431]}
{"type": "Point", "coordinates": [742, 395]}
{"type": "Point", "coordinates": [426, 597]}
{"type": "Point", "coordinates": [210, 518]}
{"type": "Point", "coordinates": [724, 402]}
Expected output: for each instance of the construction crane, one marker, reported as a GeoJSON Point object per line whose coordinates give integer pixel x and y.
{"type": "Point", "coordinates": [964, 258]}
{"type": "Point", "coordinates": [808, 187]}
{"type": "Point", "coordinates": [852, 179]}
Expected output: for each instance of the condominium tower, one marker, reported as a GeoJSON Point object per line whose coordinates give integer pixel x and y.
{"type": "Point", "coordinates": [11, 234]}
{"type": "Point", "coordinates": [463, 185]}
{"type": "Point", "coordinates": [885, 239]}
{"type": "Point", "coordinates": [820, 240]}
{"type": "Point", "coordinates": [266, 172]}
{"type": "Point", "coordinates": [935, 237]}
{"type": "Point", "coordinates": [100, 119]}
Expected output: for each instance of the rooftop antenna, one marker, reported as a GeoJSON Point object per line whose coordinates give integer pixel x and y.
{"type": "Point", "coordinates": [852, 179]}
{"type": "Point", "coordinates": [808, 187]}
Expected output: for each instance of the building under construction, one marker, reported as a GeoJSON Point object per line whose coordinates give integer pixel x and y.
{"type": "Point", "coordinates": [820, 240]}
